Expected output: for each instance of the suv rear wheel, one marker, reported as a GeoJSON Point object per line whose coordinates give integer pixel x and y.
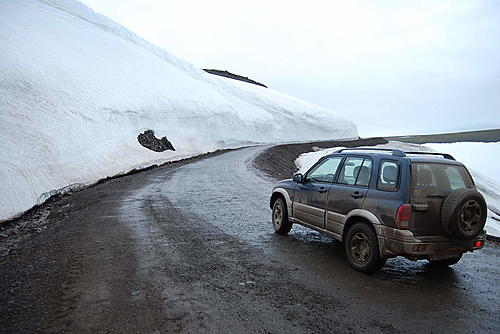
{"type": "Point", "coordinates": [281, 223]}
{"type": "Point", "coordinates": [361, 248]}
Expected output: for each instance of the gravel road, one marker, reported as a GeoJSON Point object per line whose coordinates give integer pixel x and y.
{"type": "Point", "coordinates": [190, 248]}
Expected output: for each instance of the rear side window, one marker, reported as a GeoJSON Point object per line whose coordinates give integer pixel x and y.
{"type": "Point", "coordinates": [356, 171]}
{"type": "Point", "coordinates": [388, 176]}
{"type": "Point", "coordinates": [365, 171]}
{"type": "Point", "coordinates": [437, 179]}
{"type": "Point", "coordinates": [455, 179]}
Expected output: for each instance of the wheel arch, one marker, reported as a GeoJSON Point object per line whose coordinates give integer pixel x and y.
{"type": "Point", "coordinates": [363, 216]}
{"type": "Point", "coordinates": [283, 194]}
{"type": "Point", "coordinates": [353, 220]}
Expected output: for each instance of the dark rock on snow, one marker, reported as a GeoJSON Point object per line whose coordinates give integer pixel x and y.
{"type": "Point", "coordinates": [230, 75]}
{"type": "Point", "coordinates": [148, 140]}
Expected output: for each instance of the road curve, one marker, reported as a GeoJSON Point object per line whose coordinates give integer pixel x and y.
{"type": "Point", "coordinates": [191, 249]}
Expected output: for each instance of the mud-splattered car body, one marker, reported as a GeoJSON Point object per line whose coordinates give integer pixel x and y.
{"type": "Point", "coordinates": [403, 202]}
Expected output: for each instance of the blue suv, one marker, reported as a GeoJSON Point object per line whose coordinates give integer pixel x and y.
{"type": "Point", "coordinates": [385, 203]}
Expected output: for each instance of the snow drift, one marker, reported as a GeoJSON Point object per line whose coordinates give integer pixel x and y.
{"type": "Point", "coordinates": [76, 89]}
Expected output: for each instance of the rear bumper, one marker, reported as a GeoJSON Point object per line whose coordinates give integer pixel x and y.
{"type": "Point", "coordinates": [395, 242]}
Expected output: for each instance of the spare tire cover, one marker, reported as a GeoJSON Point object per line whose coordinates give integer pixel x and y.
{"type": "Point", "coordinates": [463, 215]}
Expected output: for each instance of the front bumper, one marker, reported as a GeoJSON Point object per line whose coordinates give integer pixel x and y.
{"type": "Point", "coordinates": [395, 242]}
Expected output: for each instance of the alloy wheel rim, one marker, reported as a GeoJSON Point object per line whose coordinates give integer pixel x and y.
{"type": "Point", "coordinates": [470, 215]}
{"type": "Point", "coordinates": [360, 247]}
{"type": "Point", "coordinates": [278, 216]}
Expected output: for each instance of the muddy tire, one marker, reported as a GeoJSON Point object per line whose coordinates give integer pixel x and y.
{"type": "Point", "coordinates": [280, 220]}
{"type": "Point", "coordinates": [445, 263]}
{"type": "Point", "coordinates": [463, 215]}
{"type": "Point", "coordinates": [361, 248]}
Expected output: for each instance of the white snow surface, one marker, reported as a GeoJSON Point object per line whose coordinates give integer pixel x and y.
{"type": "Point", "coordinates": [485, 184]}
{"type": "Point", "coordinates": [481, 157]}
{"type": "Point", "coordinates": [77, 88]}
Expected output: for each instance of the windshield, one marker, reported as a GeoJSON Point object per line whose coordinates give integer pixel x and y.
{"type": "Point", "coordinates": [438, 179]}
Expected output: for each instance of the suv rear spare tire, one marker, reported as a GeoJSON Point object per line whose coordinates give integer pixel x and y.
{"type": "Point", "coordinates": [463, 215]}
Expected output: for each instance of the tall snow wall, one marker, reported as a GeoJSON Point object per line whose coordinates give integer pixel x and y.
{"type": "Point", "coordinates": [77, 88]}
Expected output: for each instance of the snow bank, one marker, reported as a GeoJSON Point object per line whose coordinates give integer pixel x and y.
{"type": "Point", "coordinates": [77, 88]}
{"type": "Point", "coordinates": [487, 186]}
{"type": "Point", "coordinates": [481, 157]}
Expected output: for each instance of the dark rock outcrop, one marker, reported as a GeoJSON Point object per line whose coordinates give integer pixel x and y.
{"type": "Point", "coordinates": [230, 75]}
{"type": "Point", "coordinates": [148, 140]}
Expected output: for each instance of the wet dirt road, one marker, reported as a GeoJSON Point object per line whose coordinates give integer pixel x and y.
{"type": "Point", "coordinates": [192, 249]}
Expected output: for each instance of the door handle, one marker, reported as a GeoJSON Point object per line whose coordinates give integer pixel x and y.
{"type": "Point", "coordinates": [323, 190]}
{"type": "Point", "coordinates": [356, 194]}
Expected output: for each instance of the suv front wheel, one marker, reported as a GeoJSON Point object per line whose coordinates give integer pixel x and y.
{"type": "Point", "coordinates": [361, 248]}
{"type": "Point", "coordinates": [280, 220]}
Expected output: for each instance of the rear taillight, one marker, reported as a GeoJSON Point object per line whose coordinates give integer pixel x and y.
{"type": "Point", "coordinates": [478, 244]}
{"type": "Point", "coordinates": [403, 216]}
{"type": "Point", "coordinates": [419, 248]}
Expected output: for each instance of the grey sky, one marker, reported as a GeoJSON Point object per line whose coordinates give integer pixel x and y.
{"type": "Point", "coordinates": [393, 67]}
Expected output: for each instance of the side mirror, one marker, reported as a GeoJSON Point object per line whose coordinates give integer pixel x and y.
{"type": "Point", "coordinates": [298, 177]}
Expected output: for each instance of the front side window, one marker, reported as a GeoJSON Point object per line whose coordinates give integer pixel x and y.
{"type": "Point", "coordinates": [356, 171]}
{"type": "Point", "coordinates": [388, 176]}
{"type": "Point", "coordinates": [324, 171]}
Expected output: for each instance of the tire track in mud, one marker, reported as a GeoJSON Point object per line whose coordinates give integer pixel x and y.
{"type": "Point", "coordinates": [82, 275]}
{"type": "Point", "coordinates": [224, 195]}
{"type": "Point", "coordinates": [213, 281]}
{"type": "Point", "coordinates": [46, 272]}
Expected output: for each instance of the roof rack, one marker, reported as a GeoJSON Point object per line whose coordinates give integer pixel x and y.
{"type": "Point", "coordinates": [444, 155]}
{"type": "Point", "coordinates": [396, 152]}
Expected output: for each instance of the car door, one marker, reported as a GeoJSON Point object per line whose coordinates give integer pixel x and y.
{"type": "Point", "coordinates": [311, 195]}
{"type": "Point", "coordinates": [348, 192]}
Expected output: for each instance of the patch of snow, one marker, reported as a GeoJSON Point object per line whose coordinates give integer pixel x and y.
{"type": "Point", "coordinates": [481, 157]}
{"type": "Point", "coordinates": [485, 184]}
{"type": "Point", "coordinates": [77, 88]}
{"type": "Point", "coordinates": [306, 160]}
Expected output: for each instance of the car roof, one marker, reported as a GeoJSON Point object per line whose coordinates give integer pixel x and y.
{"type": "Point", "coordinates": [420, 158]}
{"type": "Point", "coordinates": [431, 159]}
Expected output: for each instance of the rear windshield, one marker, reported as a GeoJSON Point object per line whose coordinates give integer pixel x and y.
{"type": "Point", "coordinates": [437, 179]}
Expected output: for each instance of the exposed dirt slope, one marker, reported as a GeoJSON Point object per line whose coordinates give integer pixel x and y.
{"type": "Point", "coordinates": [485, 136]}
{"type": "Point", "coordinates": [279, 161]}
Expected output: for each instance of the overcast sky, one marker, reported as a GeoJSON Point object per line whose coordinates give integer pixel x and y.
{"type": "Point", "coordinates": [393, 67]}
